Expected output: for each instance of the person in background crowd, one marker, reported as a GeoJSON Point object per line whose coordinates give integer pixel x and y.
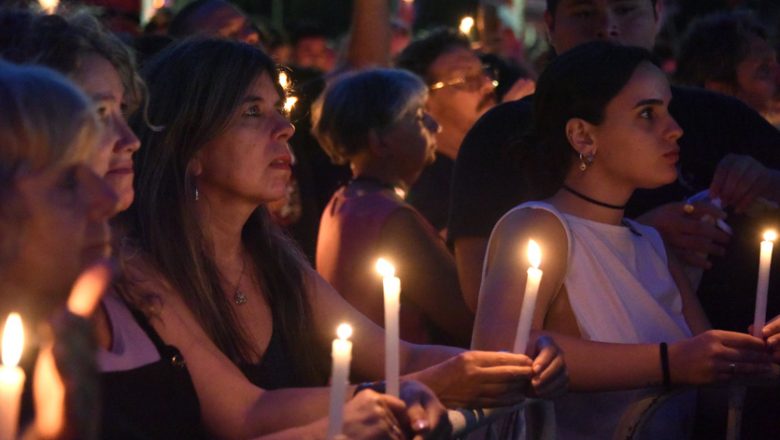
{"type": "Point", "coordinates": [730, 53]}
{"type": "Point", "coordinates": [375, 121]}
{"type": "Point", "coordinates": [461, 90]}
{"type": "Point", "coordinates": [215, 18]}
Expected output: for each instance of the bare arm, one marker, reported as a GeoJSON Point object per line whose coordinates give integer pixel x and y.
{"type": "Point", "coordinates": [369, 40]}
{"type": "Point", "coordinates": [469, 255]}
{"type": "Point", "coordinates": [593, 366]}
{"type": "Point", "coordinates": [427, 269]}
{"type": "Point", "coordinates": [458, 378]}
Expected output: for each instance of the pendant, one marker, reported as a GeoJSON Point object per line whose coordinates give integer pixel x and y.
{"type": "Point", "coordinates": [239, 298]}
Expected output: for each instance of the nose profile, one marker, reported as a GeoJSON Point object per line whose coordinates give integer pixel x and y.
{"type": "Point", "coordinates": [674, 132]}
{"type": "Point", "coordinates": [126, 138]}
{"type": "Point", "coordinates": [607, 28]}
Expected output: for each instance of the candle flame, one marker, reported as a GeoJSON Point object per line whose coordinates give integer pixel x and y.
{"type": "Point", "coordinates": [770, 235]}
{"type": "Point", "coordinates": [466, 23]}
{"type": "Point", "coordinates": [344, 331]}
{"type": "Point", "coordinates": [158, 4]}
{"type": "Point", "coordinates": [534, 254]}
{"type": "Point", "coordinates": [284, 81]}
{"type": "Point", "coordinates": [385, 268]}
{"type": "Point", "coordinates": [49, 6]}
{"type": "Point", "coordinates": [13, 340]}
{"type": "Point", "coordinates": [289, 103]}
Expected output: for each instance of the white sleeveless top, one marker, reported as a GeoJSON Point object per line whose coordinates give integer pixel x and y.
{"type": "Point", "coordinates": [130, 346]}
{"type": "Point", "coordinates": [621, 291]}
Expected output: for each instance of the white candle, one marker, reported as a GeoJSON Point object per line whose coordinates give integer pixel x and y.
{"type": "Point", "coordinates": [529, 297]}
{"type": "Point", "coordinates": [759, 318]}
{"type": "Point", "coordinates": [341, 353]}
{"type": "Point", "coordinates": [11, 376]}
{"type": "Point", "coordinates": [392, 289]}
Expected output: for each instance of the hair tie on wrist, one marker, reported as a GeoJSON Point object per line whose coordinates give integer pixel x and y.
{"type": "Point", "coordinates": [665, 365]}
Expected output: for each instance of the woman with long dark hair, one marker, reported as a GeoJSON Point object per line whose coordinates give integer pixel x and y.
{"type": "Point", "coordinates": [617, 303]}
{"type": "Point", "coordinates": [226, 287]}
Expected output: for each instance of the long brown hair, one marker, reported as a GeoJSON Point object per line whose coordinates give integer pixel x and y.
{"type": "Point", "coordinates": [194, 88]}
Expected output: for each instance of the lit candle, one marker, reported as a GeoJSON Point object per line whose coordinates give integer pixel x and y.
{"type": "Point", "coordinates": [759, 318]}
{"type": "Point", "coordinates": [289, 103]}
{"type": "Point", "coordinates": [284, 81]}
{"type": "Point", "coordinates": [49, 6]}
{"type": "Point", "coordinates": [529, 297]}
{"type": "Point", "coordinates": [466, 23]}
{"type": "Point", "coordinates": [339, 379]}
{"type": "Point", "coordinates": [11, 376]}
{"type": "Point", "coordinates": [392, 288]}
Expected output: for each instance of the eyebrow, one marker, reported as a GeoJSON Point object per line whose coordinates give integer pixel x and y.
{"type": "Point", "coordinates": [649, 101]}
{"type": "Point", "coordinates": [103, 97]}
{"type": "Point", "coordinates": [252, 98]}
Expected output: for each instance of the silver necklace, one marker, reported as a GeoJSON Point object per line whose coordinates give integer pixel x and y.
{"type": "Point", "coordinates": [239, 297]}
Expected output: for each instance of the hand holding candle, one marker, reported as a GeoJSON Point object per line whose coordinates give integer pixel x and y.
{"type": "Point", "coordinates": [762, 287]}
{"type": "Point", "coordinates": [342, 355]}
{"type": "Point", "coordinates": [11, 376]}
{"type": "Point", "coordinates": [529, 298]}
{"type": "Point", "coordinates": [392, 290]}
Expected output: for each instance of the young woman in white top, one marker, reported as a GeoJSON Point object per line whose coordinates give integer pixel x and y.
{"type": "Point", "coordinates": [619, 306]}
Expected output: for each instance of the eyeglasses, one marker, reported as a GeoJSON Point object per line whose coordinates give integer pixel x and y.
{"type": "Point", "coordinates": [469, 83]}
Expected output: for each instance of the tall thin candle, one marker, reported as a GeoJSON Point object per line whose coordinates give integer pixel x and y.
{"type": "Point", "coordinates": [529, 298]}
{"type": "Point", "coordinates": [392, 290]}
{"type": "Point", "coordinates": [11, 376]}
{"type": "Point", "coordinates": [765, 260]}
{"type": "Point", "coordinates": [342, 355]}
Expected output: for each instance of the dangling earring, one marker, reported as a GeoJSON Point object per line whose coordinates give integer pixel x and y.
{"type": "Point", "coordinates": [585, 161]}
{"type": "Point", "coordinates": [197, 194]}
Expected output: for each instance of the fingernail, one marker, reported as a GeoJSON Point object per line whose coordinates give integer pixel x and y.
{"type": "Point", "coordinates": [420, 425]}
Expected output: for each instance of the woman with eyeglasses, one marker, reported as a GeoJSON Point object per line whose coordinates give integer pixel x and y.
{"type": "Point", "coordinates": [375, 121]}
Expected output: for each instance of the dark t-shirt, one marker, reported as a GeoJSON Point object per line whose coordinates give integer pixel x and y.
{"type": "Point", "coordinates": [492, 175]}
{"type": "Point", "coordinates": [430, 194]}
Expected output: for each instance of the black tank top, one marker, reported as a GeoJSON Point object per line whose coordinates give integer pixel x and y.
{"type": "Point", "coordinates": [155, 401]}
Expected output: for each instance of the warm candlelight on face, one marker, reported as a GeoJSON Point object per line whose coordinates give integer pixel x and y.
{"type": "Point", "coordinates": [341, 354]}
{"type": "Point", "coordinates": [392, 292]}
{"type": "Point", "coordinates": [11, 376]}
{"type": "Point", "coordinates": [466, 23]}
{"type": "Point", "coordinates": [534, 277]}
{"type": "Point", "coordinates": [762, 287]}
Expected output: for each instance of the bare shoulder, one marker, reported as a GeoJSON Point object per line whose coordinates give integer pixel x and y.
{"type": "Point", "coordinates": [529, 223]}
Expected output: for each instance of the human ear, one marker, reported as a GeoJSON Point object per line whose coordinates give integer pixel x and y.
{"type": "Point", "coordinates": [580, 136]}
{"type": "Point", "coordinates": [195, 167]}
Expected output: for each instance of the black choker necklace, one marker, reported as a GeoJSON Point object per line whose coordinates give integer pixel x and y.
{"type": "Point", "coordinates": [591, 200]}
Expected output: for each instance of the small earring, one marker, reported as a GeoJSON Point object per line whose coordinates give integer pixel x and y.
{"type": "Point", "coordinates": [586, 161]}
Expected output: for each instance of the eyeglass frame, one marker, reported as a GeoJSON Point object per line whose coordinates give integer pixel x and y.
{"type": "Point", "coordinates": [487, 71]}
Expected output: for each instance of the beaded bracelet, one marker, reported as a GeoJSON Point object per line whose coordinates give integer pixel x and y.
{"type": "Point", "coordinates": [378, 386]}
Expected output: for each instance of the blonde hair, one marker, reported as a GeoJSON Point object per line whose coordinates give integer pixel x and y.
{"type": "Point", "coordinates": [45, 122]}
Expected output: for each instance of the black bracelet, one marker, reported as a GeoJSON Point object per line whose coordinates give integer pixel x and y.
{"type": "Point", "coordinates": [378, 386]}
{"type": "Point", "coordinates": [665, 365]}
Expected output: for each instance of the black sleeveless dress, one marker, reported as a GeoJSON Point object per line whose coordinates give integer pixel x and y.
{"type": "Point", "coordinates": [155, 401]}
